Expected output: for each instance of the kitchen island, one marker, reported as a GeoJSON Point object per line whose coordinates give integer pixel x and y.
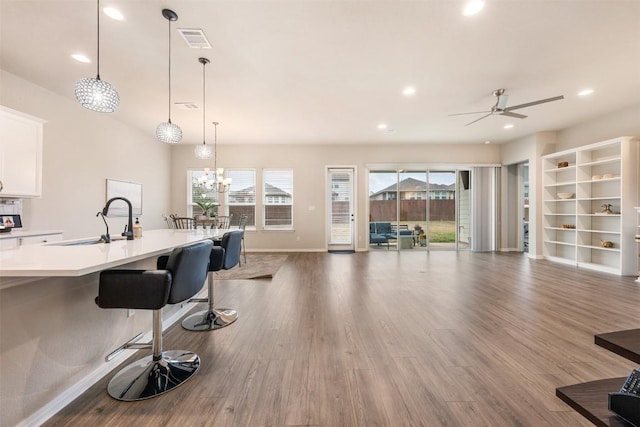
{"type": "Point", "coordinates": [53, 336]}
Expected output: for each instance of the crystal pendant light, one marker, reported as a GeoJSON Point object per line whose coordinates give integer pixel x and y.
{"type": "Point", "coordinates": [167, 131]}
{"type": "Point", "coordinates": [203, 151]}
{"type": "Point", "coordinates": [95, 94]}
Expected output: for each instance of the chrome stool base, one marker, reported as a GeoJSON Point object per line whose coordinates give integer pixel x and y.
{"type": "Point", "coordinates": [147, 378]}
{"type": "Point", "coordinates": [210, 320]}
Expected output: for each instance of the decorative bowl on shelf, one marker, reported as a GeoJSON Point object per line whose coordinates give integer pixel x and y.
{"type": "Point", "coordinates": [565, 195]}
{"type": "Point", "coordinates": [569, 226]}
{"type": "Point", "coordinates": [596, 177]}
{"type": "Point", "coordinates": [563, 164]}
{"type": "Point", "coordinates": [608, 176]}
{"type": "Point", "coordinates": [606, 244]}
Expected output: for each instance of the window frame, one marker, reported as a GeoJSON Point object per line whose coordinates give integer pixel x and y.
{"type": "Point", "coordinates": [277, 199]}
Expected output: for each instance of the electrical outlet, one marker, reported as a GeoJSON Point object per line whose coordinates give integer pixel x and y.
{"type": "Point", "coordinates": [131, 312]}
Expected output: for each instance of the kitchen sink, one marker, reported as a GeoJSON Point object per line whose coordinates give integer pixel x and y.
{"type": "Point", "coordinates": [77, 243]}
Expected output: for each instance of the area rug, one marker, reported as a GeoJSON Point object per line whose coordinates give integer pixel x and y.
{"type": "Point", "coordinates": [258, 266]}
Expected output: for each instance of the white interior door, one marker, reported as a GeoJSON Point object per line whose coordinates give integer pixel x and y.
{"type": "Point", "coordinates": [340, 212]}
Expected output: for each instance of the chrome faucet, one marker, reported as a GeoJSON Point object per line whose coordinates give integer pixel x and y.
{"type": "Point", "coordinates": [128, 232]}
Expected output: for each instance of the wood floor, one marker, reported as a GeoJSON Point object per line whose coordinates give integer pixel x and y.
{"type": "Point", "coordinates": [391, 339]}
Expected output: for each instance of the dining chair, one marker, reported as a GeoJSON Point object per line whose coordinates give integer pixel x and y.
{"type": "Point", "coordinates": [169, 220]}
{"type": "Point", "coordinates": [222, 222]}
{"type": "Point", "coordinates": [241, 226]}
{"type": "Point", "coordinates": [184, 223]}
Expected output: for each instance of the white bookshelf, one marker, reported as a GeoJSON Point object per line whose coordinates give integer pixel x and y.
{"type": "Point", "coordinates": [605, 173]}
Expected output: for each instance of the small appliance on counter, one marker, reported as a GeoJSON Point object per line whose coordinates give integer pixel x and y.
{"type": "Point", "coordinates": [9, 222]}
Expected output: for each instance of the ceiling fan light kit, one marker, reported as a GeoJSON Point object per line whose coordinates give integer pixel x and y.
{"type": "Point", "coordinates": [500, 107]}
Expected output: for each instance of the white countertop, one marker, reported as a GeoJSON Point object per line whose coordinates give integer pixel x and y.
{"type": "Point", "coordinates": [52, 259]}
{"type": "Point", "coordinates": [28, 233]}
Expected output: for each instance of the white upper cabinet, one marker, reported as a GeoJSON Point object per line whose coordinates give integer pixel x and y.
{"type": "Point", "coordinates": [20, 154]}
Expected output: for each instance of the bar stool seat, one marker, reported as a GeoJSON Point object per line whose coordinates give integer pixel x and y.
{"type": "Point", "coordinates": [183, 276]}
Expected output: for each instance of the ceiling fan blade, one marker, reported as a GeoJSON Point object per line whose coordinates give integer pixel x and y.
{"type": "Point", "coordinates": [478, 119]}
{"type": "Point", "coordinates": [473, 112]}
{"type": "Point", "coordinates": [516, 115]}
{"type": "Point", "coordinates": [502, 102]}
{"type": "Point", "coordinates": [529, 104]}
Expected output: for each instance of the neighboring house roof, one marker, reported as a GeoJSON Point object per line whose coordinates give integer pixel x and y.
{"type": "Point", "coordinates": [270, 190]}
{"type": "Point", "coordinates": [412, 184]}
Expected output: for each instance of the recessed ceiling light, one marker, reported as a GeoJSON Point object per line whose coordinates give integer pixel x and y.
{"type": "Point", "coordinates": [408, 91]}
{"type": "Point", "coordinates": [585, 92]}
{"type": "Point", "coordinates": [472, 7]}
{"type": "Point", "coordinates": [487, 142]}
{"type": "Point", "coordinates": [113, 13]}
{"type": "Point", "coordinates": [382, 126]}
{"type": "Point", "coordinates": [80, 58]}
{"type": "Point", "coordinates": [509, 126]}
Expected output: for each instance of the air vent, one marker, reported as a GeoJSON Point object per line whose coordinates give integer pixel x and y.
{"type": "Point", "coordinates": [195, 38]}
{"type": "Point", "coordinates": [186, 106]}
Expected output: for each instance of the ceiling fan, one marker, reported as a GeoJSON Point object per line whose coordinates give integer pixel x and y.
{"type": "Point", "coordinates": [501, 108]}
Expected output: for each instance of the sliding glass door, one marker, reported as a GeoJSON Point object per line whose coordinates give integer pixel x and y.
{"type": "Point", "coordinates": [414, 210]}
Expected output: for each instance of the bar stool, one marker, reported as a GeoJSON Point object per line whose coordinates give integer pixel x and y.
{"type": "Point", "coordinates": [186, 270]}
{"type": "Point", "coordinates": [223, 257]}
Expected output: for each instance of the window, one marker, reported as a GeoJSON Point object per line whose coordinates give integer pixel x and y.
{"type": "Point", "coordinates": [241, 197]}
{"type": "Point", "coordinates": [278, 199]}
{"type": "Point", "coordinates": [199, 189]}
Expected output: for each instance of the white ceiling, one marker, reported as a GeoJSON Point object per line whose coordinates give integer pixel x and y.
{"type": "Point", "coordinates": [314, 71]}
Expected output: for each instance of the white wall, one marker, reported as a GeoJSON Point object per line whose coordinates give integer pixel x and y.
{"type": "Point", "coordinates": [308, 163]}
{"type": "Point", "coordinates": [625, 122]}
{"type": "Point", "coordinates": [81, 150]}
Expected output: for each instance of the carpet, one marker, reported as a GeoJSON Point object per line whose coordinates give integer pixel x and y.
{"type": "Point", "coordinates": [258, 266]}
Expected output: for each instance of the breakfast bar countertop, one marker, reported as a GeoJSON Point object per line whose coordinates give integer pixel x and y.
{"type": "Point", "coordinates": [73, 258]}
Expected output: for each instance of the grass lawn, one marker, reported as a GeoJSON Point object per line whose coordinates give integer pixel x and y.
{"type": "Point", "coordinates": [442, 231]}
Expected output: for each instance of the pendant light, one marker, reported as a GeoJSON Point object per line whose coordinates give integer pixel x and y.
{"type": "Point", "coordinates": [95, 94]}
{"type": "Point", "coordinates": [203, 151]}
{"type": "Point", "coordinates": [167, 131]}
{"type": "Point", "coordinates": [220, 183]}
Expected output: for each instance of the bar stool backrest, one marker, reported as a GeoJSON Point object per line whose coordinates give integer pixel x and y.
{"type": "Point", "coordinates": [232, 244]}
{"type": "Point", "coordinates": [189, 266]}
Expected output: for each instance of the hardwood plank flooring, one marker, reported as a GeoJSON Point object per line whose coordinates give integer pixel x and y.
{"type": "Point", "coordinates": [391, 339]}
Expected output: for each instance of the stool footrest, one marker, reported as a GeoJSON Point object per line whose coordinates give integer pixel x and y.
{"type": "Point", "coordinates": [129, 344]}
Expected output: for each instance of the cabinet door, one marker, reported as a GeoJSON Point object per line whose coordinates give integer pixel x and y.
{"type": "Point", "coordinates": [11, 243]}
{"type": "Point", "coordinates": [20, 154]}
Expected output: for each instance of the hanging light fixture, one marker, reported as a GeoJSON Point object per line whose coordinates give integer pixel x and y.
{"type": "Point", "coordinates": [167, 131]}
{"type": "Point", "coordinates": [220, 183]}
{"type": "Point", "coordinates": [95, 94]}
{"type": "Point", "coordinates": [203, 151]}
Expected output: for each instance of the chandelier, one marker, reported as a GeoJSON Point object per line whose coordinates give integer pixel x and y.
{"type": "Point", "coordinates": [216, 180]}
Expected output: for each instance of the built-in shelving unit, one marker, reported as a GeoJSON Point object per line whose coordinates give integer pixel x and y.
{"type": "Point", "coordinates": [590, 399]}
{"type": "Point", "coordinates": [577, 185]}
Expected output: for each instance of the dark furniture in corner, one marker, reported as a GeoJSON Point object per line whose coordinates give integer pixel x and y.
{"type": "Point", "coordinates": [590, 399]}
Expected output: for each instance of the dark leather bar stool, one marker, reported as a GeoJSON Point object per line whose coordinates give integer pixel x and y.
{"type": "Point", "coordinates": [223, 257]}
{"type": "Point", "coordinates": [184, 275]}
